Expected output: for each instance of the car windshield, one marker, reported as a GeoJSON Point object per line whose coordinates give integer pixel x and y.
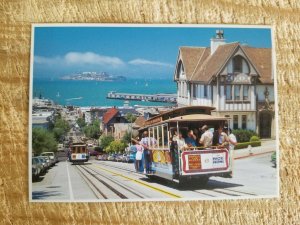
{"type": "Point", "coordinates": [35, 160]}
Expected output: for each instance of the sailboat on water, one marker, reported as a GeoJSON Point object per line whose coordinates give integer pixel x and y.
{"type": "Point", "coordinates": [57, 95]}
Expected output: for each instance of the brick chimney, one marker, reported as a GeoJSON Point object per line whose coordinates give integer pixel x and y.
{"type": "Point", "coordinates": [216, 41]}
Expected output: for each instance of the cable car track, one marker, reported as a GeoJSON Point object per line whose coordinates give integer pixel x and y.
{"type": "Point", "coordinates": [212, 192]}
{"type": "Point", "coordinates": [120, 168]}
{"type": "Point", "coordinates": [93, 185]}
{"type": "Point", "coordinates": [96, 175]}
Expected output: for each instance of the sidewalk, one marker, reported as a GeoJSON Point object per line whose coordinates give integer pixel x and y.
{"type": "Point", "coordinates": [266, 146]}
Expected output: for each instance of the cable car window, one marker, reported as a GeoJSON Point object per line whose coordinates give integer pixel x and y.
{"type": "Point", "coordinates": [165, 136]}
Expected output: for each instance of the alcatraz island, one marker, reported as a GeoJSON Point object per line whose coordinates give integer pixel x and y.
{"type": "Point", "coordinates": [102, 76]}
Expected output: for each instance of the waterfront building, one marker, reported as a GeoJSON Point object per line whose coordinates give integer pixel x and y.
{"type": "Point", "coordinates": [42, 118]}
{"type": "Point", "coordinates": [234, 78]}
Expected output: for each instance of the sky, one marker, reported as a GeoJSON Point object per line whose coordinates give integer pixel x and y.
{"type": "Point", "coordinates": [133, 52]}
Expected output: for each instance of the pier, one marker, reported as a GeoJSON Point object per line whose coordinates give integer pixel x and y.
{"type": "Point", "coordinates": [170, 98]}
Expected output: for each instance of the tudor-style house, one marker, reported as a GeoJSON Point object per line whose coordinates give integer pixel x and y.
{"type": "Point", "coordinates": [235, 79]}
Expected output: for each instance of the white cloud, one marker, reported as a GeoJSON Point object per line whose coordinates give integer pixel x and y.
{"type": "Point", "coordinates": [45, 60]}
{"type": "Point", "coordinates": [79, 58]}
{"type": "Point", "coordinates": [92, 58]}
{"type": "Point", "coordinates": [148, 62]}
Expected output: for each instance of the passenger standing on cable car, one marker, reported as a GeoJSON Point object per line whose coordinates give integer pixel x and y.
{"type": "Point", "coordinates": [223, 138]}
{"type": "Point", "coordinates": [206, 138]}
{"type": "Point", "coordinates": [145, 141]}
{"type": "Point", "coordinates": [232, 142]}
{"type": "Point", "coordinates": [190, 140]}
{"type": "Point", "coordinates": [138, 156]}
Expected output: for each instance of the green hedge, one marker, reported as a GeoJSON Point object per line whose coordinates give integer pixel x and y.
{"type": "Point", "coordinates": [243, 135]}
{"type": "Point", "coordinates": [245, 144]}
{"type": "Point", "coordinates": [254, 138]}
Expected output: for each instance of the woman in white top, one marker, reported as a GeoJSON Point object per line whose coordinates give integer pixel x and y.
{"type": "Point", "coordinates": [138, 156]}
{"type": "Point", "coordinates": [232, 142]}
{"type": "Point", "coordinates": [181, 142]}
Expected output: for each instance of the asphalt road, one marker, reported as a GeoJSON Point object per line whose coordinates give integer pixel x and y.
{"type": "Point", "coordinates": [253, 176]}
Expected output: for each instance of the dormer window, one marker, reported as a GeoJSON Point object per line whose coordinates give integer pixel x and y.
{"type": "Point", "coordinates": [238, 64]}
{"type": "Point", "coordinates": [180, 69]}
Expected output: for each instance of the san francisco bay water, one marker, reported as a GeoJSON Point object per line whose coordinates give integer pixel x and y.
{"type": "Point", "coordinates": [93, 93]}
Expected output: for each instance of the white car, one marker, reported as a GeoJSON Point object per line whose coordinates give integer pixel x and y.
{"type": "Point", "coordinates": [52, 157]}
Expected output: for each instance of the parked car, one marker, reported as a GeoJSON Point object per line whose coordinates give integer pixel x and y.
{"type": "Point", "coordinates": [124, 157]}
{"type": "Point", "coordinates": [60, 147]}
{"type": "Point", "coordinates": [52, 157]}
{"type": "Point", "coordinates": [36, 168]}
{"type": "Point", "coordinates": [47, 161]}
{"type": "Point", "coordinates": [101, 157]}
{"type": "Point", "coordinates": [104, 157]}
{"type": "Point", "coordinates": [44, 164]}
{"type": "Point", "coordinates": [119, 158]}
{"type": "Point", "coordinates": [111, 158]}
{"type": "Point", "coordinates": [93, 153]}
{"type": "Point", "coordinates": [273, 159]}
{"type": "Point", "coordinates": [129, 158]}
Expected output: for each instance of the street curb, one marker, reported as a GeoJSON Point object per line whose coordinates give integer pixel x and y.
{"type": "Point", "coordinates": [250, 155]}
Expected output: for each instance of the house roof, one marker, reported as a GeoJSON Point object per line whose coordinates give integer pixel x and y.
{"type": "Point", "coordinates": [262, 59]}
{"type": "Point", "coordinates": [190, 57]}
{"type": "Point", "coordinates": [201, 66]}
{"type": "Point", "coordinates": [213, 63]}
{"type": "Point", "coordinates": [140, 121]}
{"type": "Point", "coordinates": [124, 111]}
{"type": "Point", "coordinates": [112, 112]}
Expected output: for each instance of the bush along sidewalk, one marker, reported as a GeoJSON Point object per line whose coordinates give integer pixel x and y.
{"type": "Point", "coordinates": [246, 144]}
{"type": "Point", "coordinates": [244, 135]}
{"type": "Point", "coordinates": [254, 142]}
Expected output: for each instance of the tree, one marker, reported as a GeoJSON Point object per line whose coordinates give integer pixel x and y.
{"type": "Point", "coordinates": [127, 137]}
{"type": "Point", "coordinates": [81, 122]}
{"type": "Point", "coordinates": [92, 130]}
{"type": "Point", "coordinates": [105, 141]}
{"type": "Point", "coordinates": [43, 141]}
{"type": "Point", "coordinates": [63, 124]}
{"type": "Point", "coordinates": [130, 117]}
{"type": "Point", "coordinates": [58, 133]}
{"type": "Point", "coordinates": [61, 128]}
{"type": "Point", "coordinates": [117, 146]}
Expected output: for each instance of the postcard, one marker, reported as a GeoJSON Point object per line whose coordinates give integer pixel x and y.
{"type": "Point", "coordinates": [136, 112]}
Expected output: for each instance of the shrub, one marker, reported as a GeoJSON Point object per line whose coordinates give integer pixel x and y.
{"type": "Point", "coordinates": [255, 143]}
{"type": "Point", "coordinates": [242, 145]}
{"type": "Point", "coordinates": [246, 144]}
{"type": "Point", "coordinates": [105, 141]}
{"type": "Point", "coordinates": [254, 138]}
{"type": "Point", "coordinates": [116, 146]}
{"type": "Point", "coordinates": [243, 135]}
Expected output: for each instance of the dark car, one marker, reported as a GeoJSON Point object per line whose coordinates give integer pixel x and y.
{"type": "Point", "coordinates": [93, 153]}
{"type": "Point", "coordinates": [273, 159]}
{"type": "Point", "coordinates": [36, 168]}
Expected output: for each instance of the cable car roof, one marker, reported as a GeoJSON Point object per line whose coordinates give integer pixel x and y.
{"type": "Point", "coordinates": [196, 117]}
{"type": "Point", "coordinates": [189, 118]}
{"type": "Point", "coordinates": [182, 111]}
